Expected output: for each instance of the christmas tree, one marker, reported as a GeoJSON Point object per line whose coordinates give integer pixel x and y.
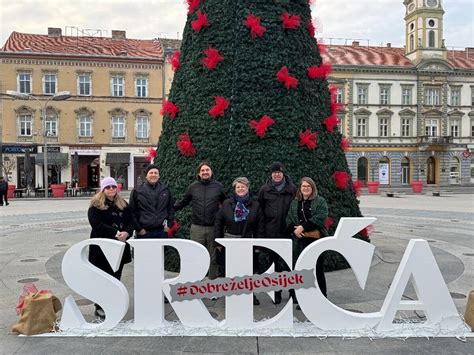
{"type": "Point", "coordinates": [250, 88]}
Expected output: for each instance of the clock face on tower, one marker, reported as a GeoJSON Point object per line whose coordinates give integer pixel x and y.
{"type": "Point", "coordinates": [431, 3]}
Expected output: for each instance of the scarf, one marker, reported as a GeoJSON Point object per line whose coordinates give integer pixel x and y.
{"type": "Point", "coordinates": [241, 212]}
{"type": "Point", "coordinates": [279, 185]}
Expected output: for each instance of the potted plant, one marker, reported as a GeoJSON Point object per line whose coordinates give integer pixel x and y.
{"type": "Point", "coordinates": [417, 185]}
{"type": "Point", "coordinates": [373, 186]}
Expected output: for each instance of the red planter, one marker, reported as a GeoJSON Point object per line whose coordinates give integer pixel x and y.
{"type": "Point", "coordinates": [11, 190]}
{"type": "Point", "coordinates": [417, 186]}
{"type": "Point", "coordinates": [58, 190]}
{"type": "Point", "coordinates": [373, 187]}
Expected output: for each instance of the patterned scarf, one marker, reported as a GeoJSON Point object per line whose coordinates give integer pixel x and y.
{"type": "Point", "coordinates": [241, 212]}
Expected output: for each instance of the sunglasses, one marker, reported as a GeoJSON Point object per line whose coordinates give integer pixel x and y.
{"type": "Point", "coordinates": [110, 187]}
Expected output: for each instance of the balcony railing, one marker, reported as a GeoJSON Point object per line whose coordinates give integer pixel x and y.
{"type": "Point", "coordinates": [435, 140]}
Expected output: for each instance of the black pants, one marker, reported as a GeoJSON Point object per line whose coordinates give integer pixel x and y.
{"type": "Point", "coordinates": [320, 277]}
{"type": "Point", "coordinates": [3, 197]}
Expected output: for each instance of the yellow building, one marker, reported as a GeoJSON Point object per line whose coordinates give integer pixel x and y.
{"type": "Point", "coordinates": [111, 116]}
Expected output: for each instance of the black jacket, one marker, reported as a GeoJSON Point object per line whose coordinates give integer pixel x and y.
{"type": "Point", "coordinates": [253, 227]}
{"type": "Point", "coordinates": [275, 207]}
{"type": "Point", "coordinates": [106, 224]}
{"type": "Point", "coordinates": [3, 186]}
{"type": "Point", "coordinates": [151, 205]}
{"type": "Point", "coordinates": [205, 196]}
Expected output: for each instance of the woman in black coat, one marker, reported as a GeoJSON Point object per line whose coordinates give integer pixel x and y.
{"type": "Point", "coordinates": [110, 217]}
{"type": "Point", "coordinates": [239, 217]}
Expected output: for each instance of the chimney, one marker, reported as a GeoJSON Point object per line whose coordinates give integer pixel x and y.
{"type": "Point", "coordinates": [119, 34]}
{"type": "Point", "coordinates": [355, 43]}
{"type": "Point", "coordinates": [54, 32]}
{"type": "Point", "coordinates": [389, 45]}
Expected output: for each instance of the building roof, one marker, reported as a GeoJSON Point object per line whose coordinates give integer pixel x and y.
{"type": "Point", "coordinates": [355, 55]}
{"type": "Point", "coordinates": [83, 46]}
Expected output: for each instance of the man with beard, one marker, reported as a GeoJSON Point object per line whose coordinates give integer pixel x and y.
{"type": "Point", "coordinates": [205, 196]}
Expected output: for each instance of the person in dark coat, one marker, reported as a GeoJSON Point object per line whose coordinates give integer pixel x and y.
{"type": "Point", "coordinates": [205, 196]}
{"type": "Point", "coordinates": [110, 217]}
{"type": "Point", "coordinates": [308, 212]}
{"type": "Point", "coordinates": [239, 217]}
{"type": "Point", "coordinates": [3, 191]}
{"type": "Point", "coordinates": [152, 206]}
{"type": "Point", "coordinates": [275, 198]}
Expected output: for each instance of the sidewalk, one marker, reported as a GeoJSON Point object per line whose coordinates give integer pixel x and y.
{"type": "Point", "coordinates": [35, 234]}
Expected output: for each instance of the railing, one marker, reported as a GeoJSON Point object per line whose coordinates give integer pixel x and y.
{"type": "Point", "coordinates": [435, 140]}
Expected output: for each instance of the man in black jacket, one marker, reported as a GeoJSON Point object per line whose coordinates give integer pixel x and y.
{"type": "Point", "coordinates": [3, 191]}
{"type": "Point", "coordinates": [152, 206]}
{"type": "Point", "coordinates": [275, 198]}
{"type": "Point", "coordinates": [205, 196]}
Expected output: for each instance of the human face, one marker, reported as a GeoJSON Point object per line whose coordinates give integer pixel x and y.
{"type": "Point", "coordinates": [306, 189]}
{"type": "Point", "coordinates": [241, 189]}
{"type": "Point", "coordinates": [277, 176]}
{"type": "Point", "coordinates": [153, 176]}
{"type": "Point", "coordinates": [110, 192]}
{"type": "Point", "coordinates": [205, 173]}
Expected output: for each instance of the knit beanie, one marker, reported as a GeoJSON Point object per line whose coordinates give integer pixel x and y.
{"type": "Point", "coordinates": [108, 181]}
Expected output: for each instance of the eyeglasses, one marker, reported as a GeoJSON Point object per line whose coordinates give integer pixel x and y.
{"type": "Point", "coordinates": [306, 187]}
{"type": "Point", "coordinates": [110, 187]}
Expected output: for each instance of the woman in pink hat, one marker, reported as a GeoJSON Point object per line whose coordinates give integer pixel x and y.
{"type": "Point", "coordinates": [109, 217]}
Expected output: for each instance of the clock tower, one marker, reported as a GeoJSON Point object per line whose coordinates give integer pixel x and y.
{"type": "Point", "coordinates": [424, 30]}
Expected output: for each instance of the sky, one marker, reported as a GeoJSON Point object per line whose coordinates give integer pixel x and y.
{"type": "Point", "coordinates": [374, 22]}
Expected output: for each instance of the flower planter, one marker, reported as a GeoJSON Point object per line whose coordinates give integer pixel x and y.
{"type": "Point", "coordinates": [417, 186]}
{"type": "Point", "coordinates": [373, 187]}
{"type": "Point", "coordinates": [58, 190]}
{"type": "Point", "coordinates": [11, 190]}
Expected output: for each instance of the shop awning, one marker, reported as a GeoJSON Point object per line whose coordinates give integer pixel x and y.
{"type": "Point", "coordinates": [53, 159]}
{"type": "Point", "coordinates": [117, 158]}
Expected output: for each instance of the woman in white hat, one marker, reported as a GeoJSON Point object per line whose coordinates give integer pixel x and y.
{"type": "Point", "coordinates": [109, 217]}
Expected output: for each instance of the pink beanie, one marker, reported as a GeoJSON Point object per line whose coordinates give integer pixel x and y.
{"type": "Point", "coordinates": [109, 181]}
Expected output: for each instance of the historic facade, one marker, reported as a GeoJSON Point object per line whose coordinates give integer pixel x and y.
{"type": "Point", "coordinates": [409, 112]}
{"type": "Point", "coordinates": [111, 116]}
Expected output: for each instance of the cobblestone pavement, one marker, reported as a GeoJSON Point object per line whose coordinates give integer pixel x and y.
{"type": "Point", "coordinates": [36, 233]}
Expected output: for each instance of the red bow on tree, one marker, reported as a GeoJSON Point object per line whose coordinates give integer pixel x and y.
{"type": "Point", "coordinates": [290, 22]}
{"type": "Point", "coordinates": [221, 105]}
{"type": "Point", "coordinates": [174, 60]}
{"type": "Point", "coordinates": [357, 187]}
{"type": "Point", "coordinates": [331, 122]}
{"type": "Point", "coordinates": [308, 139]}
{"type": "Point", "coordinates": [341, 178]}
{"type": "Point", "coordinates": [329, 223]}
{"type": "Point", "coordinates": [185, 146]}
{"type": "Point", "coordinates": [192, 5]}
{"type": "Point", "coordinates": [169, 108]}
{"type": "Point", "coordinates": [253, 22]}
{"type": "Point", "coordinates": [284, 77]}
{"type": "Point", "coordinates": [213, 57]}
{"type": "Point", "coordinates": [172, 230]}
{"type": "Point", "coordinates": [319, 72]}
{"type": "Point", "coordinates": [322, 48]}
{"type": "Point", "coordinates": [151, 154]}
{"type": "Point", "coordinates": [367, 231]}
{"type": "Point", "coordinates": [201, 22]}
{"type": "Point", "coordinates": [311, 28]}
{"type": "Point", "coordinates": [261, 126]}
{"type": "Point", "coordinates": [345, 144]}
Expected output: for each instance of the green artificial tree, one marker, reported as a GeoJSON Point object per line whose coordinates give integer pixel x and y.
{"type": "Point", "coordinates": [250, 88]}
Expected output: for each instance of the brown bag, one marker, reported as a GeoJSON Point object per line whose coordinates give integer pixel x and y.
{"type": "Point", "coordinates": [469, 315]}
{"type": "Point", "coordinates": [312, 234]}
{"type": "Point", "coordinates": [38, 315]}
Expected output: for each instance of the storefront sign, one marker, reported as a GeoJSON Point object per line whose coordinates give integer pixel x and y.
{"type": "Point", "coordinates": [383, 173]}
{"type": "Point", "coordinates": [18, 149]}
{"type": "Point", "coordinates": [84, 150]}
{"type": "Point", "coordinates": [417, 264]}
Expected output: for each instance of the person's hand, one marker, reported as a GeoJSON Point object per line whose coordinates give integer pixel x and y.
{"type": "Point", "coordinates": [142, 232]}
{"type": "Point", "coordinates": [123, 236]}
{"type": "Point", "coordinates": [166, 229]}
{"type": "Point", "coordinates": [219, 248]}
{"type": "Point", "coordinates": [298, 231]}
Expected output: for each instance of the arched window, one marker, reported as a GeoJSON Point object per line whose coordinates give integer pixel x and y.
{"type": "Point", "coordinates": [431, 39]}
{"type": "Point", "coordinates": [362, 169]}
{"type": "Point", "coordinates": [405, 164]}
{"type": "Point", "coordinates": [412, 43]}
{"type": "Point", "coordinates": [384, 171]}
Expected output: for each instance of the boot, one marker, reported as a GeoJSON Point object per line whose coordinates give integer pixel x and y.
{"type": "Point", "coordinates": [277, 297]}
{"type": "Point", "coordinates": [256, 302]}
{"type": "Point", "coordinates": [99, 312]}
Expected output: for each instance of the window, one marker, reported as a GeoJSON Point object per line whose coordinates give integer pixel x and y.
{"type": "Point", "coordinates": [25, 125]}
{"type": "Point", "coordinates": [472, 96]}
{"type": "Point", "coordinates": [24, 83]}
{"type": "Point", "coordinates": [361, 127]}
{"type": "Point", "coordinates": [339, 98]}
{"type": "Point", "coordinates": [472, 128]}
{"type": "Point", "coordinates": [117, 86]}
{"type": "Point", "coordinates": [383, 127]}
{"type": "Point", "coordinates": [406, 95]}
{"type": "Point", "coordinates": [384, 95]}
{"type": "Point", "coordinates": [51, 126]}
{"type": "Point", "coordinates": [454, 128]}
{"type": "Point", "coordinates": [118, 127]}
{"type": "Point", "coordinates": [432, 96]}
{"type": "Point", "coordinates": [50, 83]}
{"type": "Point", "coordinates": [85, 126]}
{"type": "Point", "coordinates": [431, 128]}
{"type": "Point", "coordinates": [141, 88]}
{"type": "Point", "coordinates": [431, 39]}
{"type": "Point", "coordinates": [142, 130]}
{"type": "Point", "coordinates": [362, 95]}
{"type": "Point", "coordinates": [455, 96]}
{"type": "Point", "coordinates": [412, 43]}
{"type": "Point", "coordinates": [84, 84]}
{"type": "Point", "coordinates": [406, 127]}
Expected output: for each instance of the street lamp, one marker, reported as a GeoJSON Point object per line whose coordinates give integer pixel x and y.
{"type": "Point", "coordinates": [60, 96]}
